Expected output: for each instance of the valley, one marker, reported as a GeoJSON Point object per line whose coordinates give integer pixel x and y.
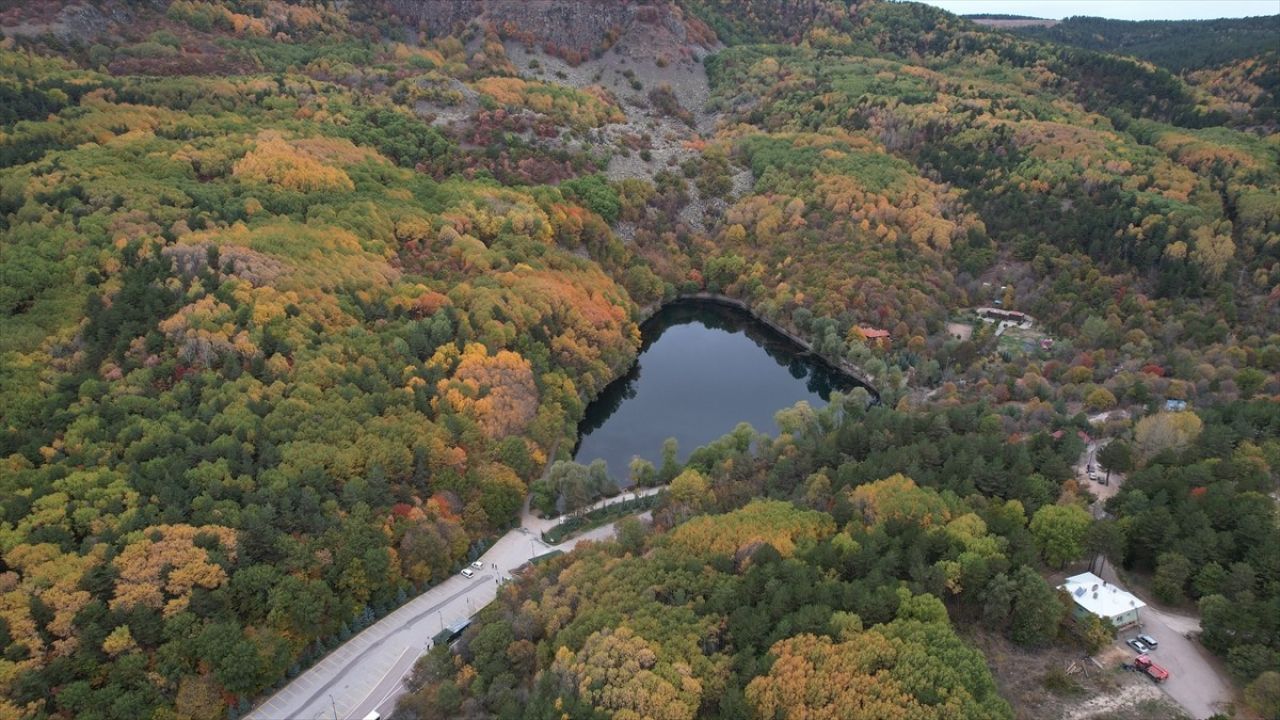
{"type": "Point", "coordinates": [306, 307]}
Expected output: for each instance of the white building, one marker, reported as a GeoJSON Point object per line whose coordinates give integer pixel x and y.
{"type": "Point", "coordinates": [1094, 596]}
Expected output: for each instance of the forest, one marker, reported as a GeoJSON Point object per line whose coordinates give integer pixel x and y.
{"type": "Point", "coordinates": [302, 302]}
{"type": "Point", "coordinates": [1235, 60]}
{"type": "Point", "coordinates": [729, 605]}
{"type": "Point", "coordinates": [736, 606]}
{"type": "Point", "coordinates": [1177, 45]}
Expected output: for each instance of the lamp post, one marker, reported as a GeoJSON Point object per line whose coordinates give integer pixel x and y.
{"type": "Point", "coordinates": [335, 706]}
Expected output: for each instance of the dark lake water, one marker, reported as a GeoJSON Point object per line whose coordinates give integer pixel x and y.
{"type": "Point", "coordinates": [703, 368]}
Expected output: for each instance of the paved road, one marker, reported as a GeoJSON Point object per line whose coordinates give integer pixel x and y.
{"type": "Point", "coordinates": [366, 672]}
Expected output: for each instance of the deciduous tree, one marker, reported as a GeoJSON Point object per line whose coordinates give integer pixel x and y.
{"type": "Point", "coordinates": [1059, 531]}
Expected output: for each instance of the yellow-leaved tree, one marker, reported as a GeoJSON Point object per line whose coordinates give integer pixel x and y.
{"type": "Point", "coordinates": [619, 672]}
{"type": "Point", "coordinates": [1165, 431]}
{"type": "Point", "coordinates": [814, 678]}
{"type": "Point", "coordinates": [166, 563]}
{"type": "Point", "coordinates": [498, 390]}
{"type": "Point", "coordinates": [275, 161]}
{"type": "Point", "coordinates": [779, 524]}
{"type": "Point", "coordinates": [897, 497]}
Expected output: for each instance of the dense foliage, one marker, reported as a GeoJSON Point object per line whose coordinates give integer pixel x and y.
{"type": "Point", "coordinates": [1178, 45]}
{"type": "Point", "coordinates": [837, 600]}
{"type": "Point", "coordinates": [954, 168]}
{"type": "Point", "coordinates": [301, 303]}
{"type": "Point", "coordinates": [262, 380]}
{"type": "Point", "coordinates": [1233, 59]}
{"type": "Point", "coordinates": [1199, 517]}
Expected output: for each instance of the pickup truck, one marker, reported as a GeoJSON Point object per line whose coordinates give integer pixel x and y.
{"type": "Point", "coordinates": [1154, 671]}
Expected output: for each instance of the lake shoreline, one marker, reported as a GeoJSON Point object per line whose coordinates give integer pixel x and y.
{"type": "Point", "coordinates": [841, 366]}
{"type": "Point", "coordinates": [775, 341]}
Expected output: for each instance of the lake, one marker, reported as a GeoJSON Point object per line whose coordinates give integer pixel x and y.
{"type": "Point", "coordinates": [703, 368]}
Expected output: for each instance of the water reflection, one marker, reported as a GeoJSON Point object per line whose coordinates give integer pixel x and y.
{"type": "Point", "coordinates": [703, 368]}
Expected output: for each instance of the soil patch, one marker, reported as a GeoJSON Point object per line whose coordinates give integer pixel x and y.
{"type": "Point", "coordinates": [1040, 684]}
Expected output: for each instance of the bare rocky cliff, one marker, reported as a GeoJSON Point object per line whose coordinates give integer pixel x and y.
{"type": "Point", "coordinates": [574, 28]}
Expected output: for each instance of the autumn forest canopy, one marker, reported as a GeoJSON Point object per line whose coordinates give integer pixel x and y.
{"type": "Point", "coordinates": [301, 301]}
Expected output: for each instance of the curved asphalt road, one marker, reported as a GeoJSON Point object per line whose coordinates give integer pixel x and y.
{"type": "Point", "coordinates": [365, 673]}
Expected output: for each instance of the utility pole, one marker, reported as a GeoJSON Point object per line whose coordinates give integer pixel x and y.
{"type": "Point", "coordinates": [335, 706]}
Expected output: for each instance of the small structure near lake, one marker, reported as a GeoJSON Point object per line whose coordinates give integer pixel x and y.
{"type": "Point", "coordinates": [1017, 333]}
{"type": "Point", "coordinates": [1013, 317]}
{"type": "Point", "coordinates": [873, 335]}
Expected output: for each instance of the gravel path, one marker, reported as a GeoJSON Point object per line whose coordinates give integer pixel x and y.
{"type": "Point", "coordinates": [1196, 679]}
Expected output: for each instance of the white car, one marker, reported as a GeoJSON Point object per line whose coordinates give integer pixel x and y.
{"type": "Point", "coordinates": [468, 573]}
{"type": "Point", "coordinates": [477, 564]}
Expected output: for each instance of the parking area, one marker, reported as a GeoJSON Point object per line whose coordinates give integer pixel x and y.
{"type": "Point", "coordinates": [1195, 680]}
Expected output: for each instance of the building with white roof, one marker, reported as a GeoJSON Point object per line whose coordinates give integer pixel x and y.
{"type": "Point", "coordinates": [1094, 596]}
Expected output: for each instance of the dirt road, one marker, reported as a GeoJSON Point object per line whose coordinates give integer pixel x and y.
{"type": "Point", "coordinates": [1106, 485]}
{"type": "Point", "coordinates": [1196, 679]}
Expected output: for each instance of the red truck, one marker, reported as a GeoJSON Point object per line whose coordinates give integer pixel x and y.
{"type": "Point", "coordinates": [1157, 673]}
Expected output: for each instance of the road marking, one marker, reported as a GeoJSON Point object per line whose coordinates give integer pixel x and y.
{"type": "Point", "coordinates": [338, 663]}
{"type": "Point", "coordinates": [383, 677]}
{"type": "Point", "coordinates": [479, 582]}
{"type": "Point", "coordinates": [395, 688]}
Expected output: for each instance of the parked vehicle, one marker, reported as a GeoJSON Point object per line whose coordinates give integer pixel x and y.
{"type": "Point", "coordinates": [1138, 645]}
{"type": "Point", "coordinates": [477, 564]}
{"type": "Point", "coordinates": [468, 573]}
{"type": "Point", "coordinates": [1149, 641]}
{"type": "Point", "coordinates": [1154, 671]}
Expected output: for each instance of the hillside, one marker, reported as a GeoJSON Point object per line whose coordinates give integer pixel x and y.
{"type": "Point", "coordinates": [1177, 45]}
{"type": "Point", "coordinates": [1010, 21]}
{"type": "Point", "coordinates": [300, 300]}
{"type": "Point", "coordinates": [1234, 61]}
{"type": "Point", "coordinates": [837, 594]}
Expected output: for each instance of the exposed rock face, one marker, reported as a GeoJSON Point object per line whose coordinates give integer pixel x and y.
{"type": "Point", "coordinates": [438, 17]}
{"type": "Point", "coordinates": [71, 22]}
{"type": "Point", "coordinates": [575, 27]}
